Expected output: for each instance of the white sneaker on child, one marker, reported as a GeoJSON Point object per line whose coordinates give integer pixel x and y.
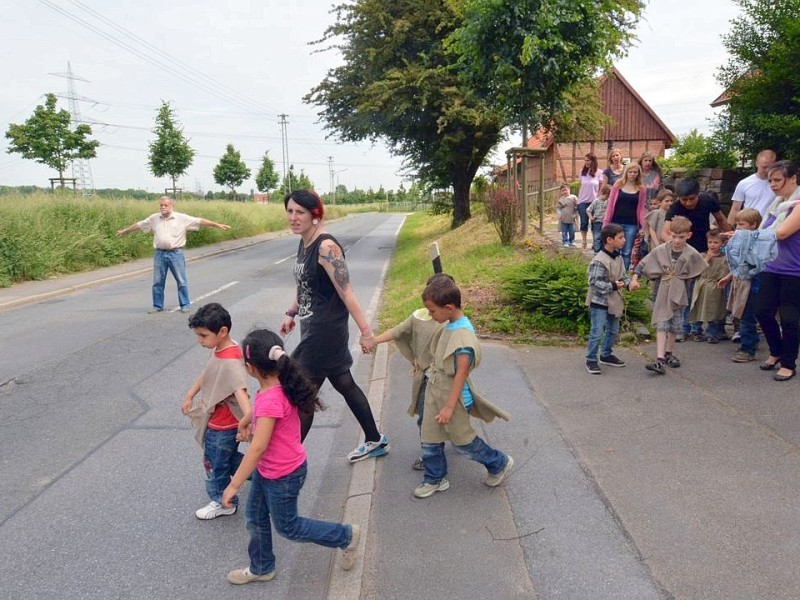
{"type": "Point", "coordinates": [213, 510]}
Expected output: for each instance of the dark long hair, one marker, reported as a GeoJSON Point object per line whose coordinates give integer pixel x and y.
{"type": "Point", "coordinates": [592, 168]}
{"type": "Point", "coordinates": [300, 391]}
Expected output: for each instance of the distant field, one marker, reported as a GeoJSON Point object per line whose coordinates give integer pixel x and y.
{"type": "Point", "coordinates": [42, 236]}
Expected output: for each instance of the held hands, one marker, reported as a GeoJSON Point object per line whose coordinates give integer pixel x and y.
{"type": "Point", "coordinates": [633, 286]}
{"type": "Point", "coordinates": [368, 343]}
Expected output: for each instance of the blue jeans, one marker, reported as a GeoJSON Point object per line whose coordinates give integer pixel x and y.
{"type": "Point", "coordinates": [597, 242]}
{"type": "Point", "coordinates": [693, 327]}
{"type": "Point", "coordinates": [174, 261]}
{"type": "Point", "coordinates": [435, 463]}
{"type": "Point", "coordinates": [276, 499]}
{"type": "Point", "coordinates": [715, 329]}
{"type": "Point", "coordinates": [584, 223]}
{"type": "Point", "coordinates": [631, 231]}
{"type": "Point", "coordinates": [748, 324]}
{"type": "Point", "coordinates": [601, 320]}
{"type": "Point", "coordinates": [567, 233]}
{"type": "Point", "coordinates": [221, 458]}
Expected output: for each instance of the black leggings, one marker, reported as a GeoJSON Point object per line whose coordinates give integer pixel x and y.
{"type": "Point", "coordinates": [356, 401]}
{"type": "Point", "coordinates": [780, 294]}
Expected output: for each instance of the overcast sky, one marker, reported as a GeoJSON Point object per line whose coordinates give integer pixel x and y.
{"type": "Point", "coordinates": [231, 67]}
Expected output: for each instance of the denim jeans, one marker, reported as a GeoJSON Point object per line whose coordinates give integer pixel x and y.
{"type": "Point", "coordinates": [748, 325]}
{"type": "Point", "coordinates": [584, 217]}
{"type": "Point", "coordinates": [221, 458]}
{"type": "Point", "coordinates": [693, 327]}
{"type": "Point", "coordinates": [435, 463]}
{"type": "Point", "coordinates": [715, 329]}
{"type": "Point", "coordinates": [174, 262]}
{"type": "Point", "coordinates": [601, 320]}
{"type": "Point", "coordinates": [567, 233]}
{"type": "Point", "coordinates": [597, 243]}
{"type": "Point", "coordinates": [631, 231]}
{"type": "Point", "coordinates": [276, 499]}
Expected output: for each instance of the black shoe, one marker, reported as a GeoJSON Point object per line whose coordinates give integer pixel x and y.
{"type": "Point", "coordinates": [611, 361]}
{"type": "Point", "coordinates": [593, 368]}
{"type": "Point", "coordinates": [768, 366]}
{"type": "Point", "coordinates": [778, 377]}
{"type": "Point", "coordinates": [657, 367]}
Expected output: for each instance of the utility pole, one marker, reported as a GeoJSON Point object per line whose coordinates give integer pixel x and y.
{"type": "Point", "coordinates": [81, 170]}
{"type": "Point", "coordinates": [331, 173]}
{"type": "Point", "coordinates": [284, 150]}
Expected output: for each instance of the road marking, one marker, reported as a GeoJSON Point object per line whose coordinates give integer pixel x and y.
{"type": "Point", "coordinates": [211, 293]}
{"type": "Point", "coordinates": [284, 259]}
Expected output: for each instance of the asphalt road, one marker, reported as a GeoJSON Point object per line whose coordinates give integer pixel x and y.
{"type": "Point", "coordinates": [101, 475]}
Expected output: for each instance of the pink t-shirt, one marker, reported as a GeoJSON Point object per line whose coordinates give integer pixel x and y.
{"type": "Point", "coordinates": [285, 453]}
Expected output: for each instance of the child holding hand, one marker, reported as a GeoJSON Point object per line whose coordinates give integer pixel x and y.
{"type": "Point", "coordinates": [277, 461]}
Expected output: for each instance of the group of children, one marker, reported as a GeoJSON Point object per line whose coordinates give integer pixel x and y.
{"type": "Point", "coordinates": [438, 340]}
{"type": "Point", "coordinates": [704, 288]}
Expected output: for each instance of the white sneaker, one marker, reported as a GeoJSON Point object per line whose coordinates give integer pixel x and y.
{"type": "Point", "coordinates": [497, 478]}
{"type": "Point", "coordinates": [214, 510]}
{"type": "Point", "coordinates": [242, 576]}
{"type": "Point", "coordinates": [350, 554]}
{"type": "Point", "coordinates": [370, 450]}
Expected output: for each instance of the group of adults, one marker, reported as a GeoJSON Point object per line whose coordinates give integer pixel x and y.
{"type": "Point", "coordinates": [633, 186]}
{"type": "Point", "coordinates": [772, 190]}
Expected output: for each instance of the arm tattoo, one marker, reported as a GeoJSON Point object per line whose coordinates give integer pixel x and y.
{"type": "Point", "coordinates": [341, 276]}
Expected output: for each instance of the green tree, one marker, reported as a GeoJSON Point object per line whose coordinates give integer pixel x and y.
{"type": "Point", "coordinates": [170, 153]}
{"type": "Point", "coordinates": [267, 178]}
{"type": "Point", "coordinates": [293, 181]}
{"type": "Point", "coordinates": [523, 56]}
{"type": "Point", "coordinates": [48, 138]}
{"type": "Point", "coordinates": [697, 151]}
{"type": "Point", "coordinates": [398, 83]}
{"type": "Point", "coordinates": [231, 170]}
{"type": "Point", "coordinates": [762, 79]}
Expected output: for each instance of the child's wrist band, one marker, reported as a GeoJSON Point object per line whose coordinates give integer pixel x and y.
{"type": "Point", "coordinates": [291, 313]}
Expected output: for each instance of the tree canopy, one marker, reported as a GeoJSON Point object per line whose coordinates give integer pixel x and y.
{"type": "Point", "coordinates": [761, 78]}
{"type": "Point", "coordinates": [293, 181]}
{"type": "Point", "coordinates": [48, 138]}
{"type": "Point", "coordinates": [231, 170]}
{"type": "Point", "coordinates": [267, 178]}
{"type": "Point", "coordinates": [523, 56]}
{"type": "Point", "coordinates": [170, 153]}
{"type": "Point", "coordinates": [398, 83]}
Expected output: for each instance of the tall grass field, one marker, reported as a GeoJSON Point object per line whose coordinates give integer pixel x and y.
{"type": "Point", "coordinates": [45, 235]}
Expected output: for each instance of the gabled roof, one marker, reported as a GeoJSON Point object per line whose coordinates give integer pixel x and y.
{"type": "Point", "coordinates": [666, 134]}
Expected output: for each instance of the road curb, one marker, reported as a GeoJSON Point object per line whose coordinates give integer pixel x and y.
{"type": "Point", "coordinates": [347, 585]}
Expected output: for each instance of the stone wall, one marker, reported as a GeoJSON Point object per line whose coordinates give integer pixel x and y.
{"type": "Point", "coordinates": [722, 181]}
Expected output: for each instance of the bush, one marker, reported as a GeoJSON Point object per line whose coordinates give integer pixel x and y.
{"type": "Point", "coordinates": [504, 211]}
{"type": "Point", "coordinates": [554, 288]}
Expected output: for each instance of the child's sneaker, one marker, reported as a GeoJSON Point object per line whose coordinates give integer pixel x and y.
{"type": "Point", "coordinates": [737, 336]}
{"type": "Point", "coordinates": [672, 361]}
{"type": "Point", "coordinates": [657, 367]}
{"type": "Point", "coordinates": [213, 510]}
{"type": "Point", "coordinates": [593, 368]}
{"type": "Point", "coordinates": [611, 361]}
{"type": "Point", "coordinates": [424, 490]}
{"type": "Point", "coordinates": [743, 357]}
{"type": "Point", "coordinates": [418, 465]}
{"type": "Point", "coordinates": [350, 554]}
{"type": "Point", "coordinates": [370, 450]}
{"type": "Point", "coordinates": [241, 576]}
{"type": "Point", "coordinates": [497, 478]}
{"type": "Point", "coordinates": [712, 340]}
{"type": "Point", "coordinates": [698, 337]}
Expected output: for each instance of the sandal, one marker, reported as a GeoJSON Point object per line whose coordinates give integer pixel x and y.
{"type": "Point", "coordinates": [768, 366]}
{"type": "Point", "coordinates": [779, 377]}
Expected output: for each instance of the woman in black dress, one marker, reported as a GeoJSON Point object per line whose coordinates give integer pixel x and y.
{"type": "Point", "coordinates": [323, 304]}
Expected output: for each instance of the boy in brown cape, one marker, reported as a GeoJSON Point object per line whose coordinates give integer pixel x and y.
{"type": "Point", "coordinates": [223, 416]}
{"type": "Point", "coordinates": [670, 266]}
{"type": "Point", "coordinates": [451, 397]}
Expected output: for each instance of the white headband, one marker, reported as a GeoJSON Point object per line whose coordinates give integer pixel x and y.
{"type": "Point", "coordinates": [275, 353]}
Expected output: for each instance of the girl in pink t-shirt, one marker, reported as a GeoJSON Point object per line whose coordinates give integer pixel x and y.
{"type": "Point", "coordinates": [277, 461]}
